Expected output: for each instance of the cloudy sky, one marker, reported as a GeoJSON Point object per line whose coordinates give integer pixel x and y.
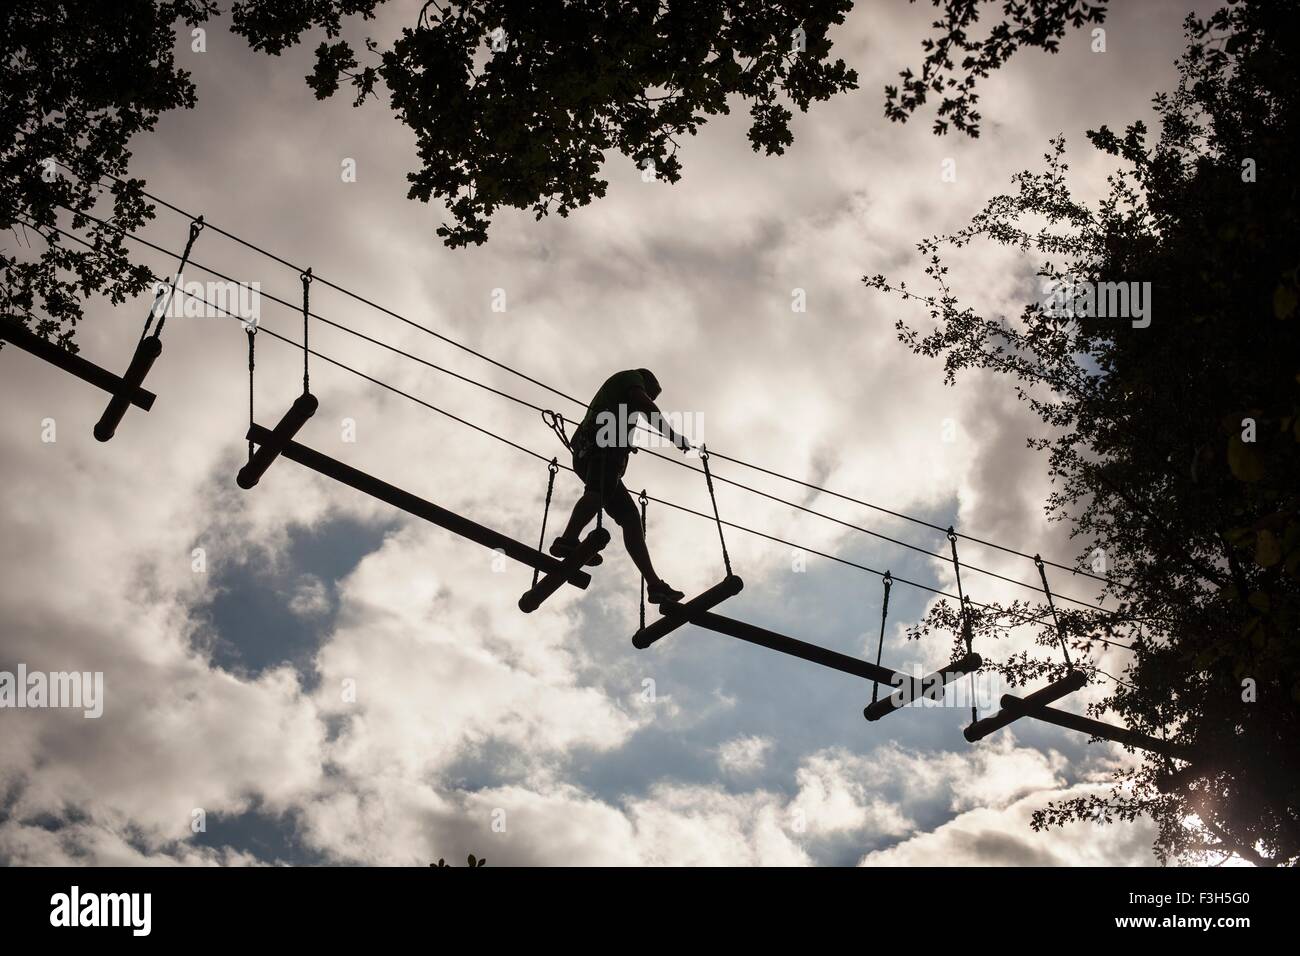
{"type": "Point", "coordinates": [472, 727]}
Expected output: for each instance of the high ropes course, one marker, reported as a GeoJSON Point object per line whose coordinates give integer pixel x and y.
{"type": "Point", "coordinates": [266, 445]}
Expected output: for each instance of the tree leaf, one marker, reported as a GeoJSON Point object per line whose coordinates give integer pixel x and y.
{"type": "Point", "coordinates": [1284, 302]}
{"type": "Point", "coordinates": [1244, 460]}
{"type": "Point", "coordinates": [1268, 550]}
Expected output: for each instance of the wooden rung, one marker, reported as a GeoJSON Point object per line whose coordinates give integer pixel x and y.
{"type": "Point", "coordinates": [303, 408]}
{"type": "Point", "coordinates": [24, 338]}
{"type": "Point", "coordinates": [1054, 691]}
{"type": "Point", "coordinates": [405, 501]}
{"type": "Point", "coordinates": [548, 584]}
{"type": "Point", "coordinates": [675, 615]}
{"type": "Point", "coordinates": [909, 689]}
{"type": "Point", "coordinates": [146, 353]}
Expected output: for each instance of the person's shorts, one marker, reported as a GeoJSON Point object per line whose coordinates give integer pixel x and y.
{"type": "Point", "coordinates": [597, 468]}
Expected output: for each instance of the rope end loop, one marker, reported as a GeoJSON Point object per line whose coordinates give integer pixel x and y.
{"type": "Point", "coordinates": [555, 422]}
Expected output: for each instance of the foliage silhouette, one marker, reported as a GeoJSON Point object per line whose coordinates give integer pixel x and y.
{"type": "Point", "coordinates": [527, 125]}
{"type": "Point", "coordinates": [1149, 448]}
{"type": "Point", "coordinates": [516, 105]}
{"type": "Point", "coordinates": [78, 80]}
{"type": "Point", "coordinates": [1040, 24]}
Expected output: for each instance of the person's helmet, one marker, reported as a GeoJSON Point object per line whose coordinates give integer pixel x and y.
{"type": "Point", "coordinates": [651, 383]}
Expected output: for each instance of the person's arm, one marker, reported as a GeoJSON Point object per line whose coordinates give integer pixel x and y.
{"type": "Point", "coordinates": [639, 401]}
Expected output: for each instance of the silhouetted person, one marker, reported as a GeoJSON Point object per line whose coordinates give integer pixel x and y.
{"type": "Point", "coordinates": [601, 446]}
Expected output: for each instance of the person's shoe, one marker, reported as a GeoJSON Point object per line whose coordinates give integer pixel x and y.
{"type": "Point", "coordinates": [563, 547]}
{"type": "Point", "coordinates": [661, 593]}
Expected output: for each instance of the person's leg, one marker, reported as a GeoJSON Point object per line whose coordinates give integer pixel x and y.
{"type": "Point", "coordinates": [584, 510]}
{"type": "Point", "coordinates": [634, 541]}
{"type": "Point", "coordinates": [622, 509]}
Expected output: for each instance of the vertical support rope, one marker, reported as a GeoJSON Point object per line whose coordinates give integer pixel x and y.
{"type": "Point", "coordinates": [708, 477]}
{"type": "Point", "coordinates": [965, 617]}
{"type": "Point", "coordinates": [598, 459]}
{"type": "Point", "coordinates": [195, 228]}
{"type": "Point", "coordinates": [1042, 573]}
{"type": "Point", "coordinates": [888, 581]}
{"type": "Point", "coordinates": [251, 331]}
{"type": "Point", "coordinates": [643, 500]}
{"type": "Point", "coordinates": [306, 314]}
{"type": "Point", "coordinates": [551, 469]}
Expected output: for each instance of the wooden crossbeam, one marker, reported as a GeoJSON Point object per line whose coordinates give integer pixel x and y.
{"type": "Point", "coordinates": [911, 687]}
{"type": "Point", "coordinates": [14, 332]}
{"type": "Point", "coordinates": [1094, 728]}
{"type": "Point", "coordinates": [405, 501]}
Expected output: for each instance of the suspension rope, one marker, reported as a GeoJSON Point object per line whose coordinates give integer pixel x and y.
{"type": "Point", "coordinates": [708, 477]}
{"type": "Point", "coordinates": [306, 324]}
{"type": "Point", "coordinates": [961, 595]}
{"type": "Point", "coordinates": [561, 420]}
{"type": "Point", "coordinates": [642, 499]}
{"type": "Point", "coordinates": [888, 581]}
{"type": "Point", "coordinates": [965, 619]}
{"type": "Point", "coordinates": [251, 329]}
{"type": "Point", "coordinates": [551, 469]}
{"type": "Point", "coordinates": [419, 401]}
{"type": "Point", "coordinates": [1065, 650]}
{"type": "Point", "coordinates": [196, 227]}
{"type": "Point", "coordinates": [525, 377]}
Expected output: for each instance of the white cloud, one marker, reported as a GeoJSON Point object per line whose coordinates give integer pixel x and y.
{"type": "Point", "coordinates": [1001, 836]}
{"type": "Point", "coordinates": [743, 754]}
{"type": "Point", "coordinates": [310, 597]}
{"type": "Point", "coordinates": [90, 844]}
